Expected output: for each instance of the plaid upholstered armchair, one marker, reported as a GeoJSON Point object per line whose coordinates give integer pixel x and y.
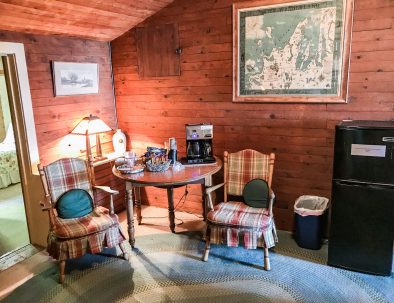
{"type": "Point", "coordinates": [77, 225]}
{"type": "Point", "coordinates": [230, 220]}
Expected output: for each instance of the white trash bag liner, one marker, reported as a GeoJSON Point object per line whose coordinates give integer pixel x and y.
{"type": "Point", "coordinates": [310, 205]}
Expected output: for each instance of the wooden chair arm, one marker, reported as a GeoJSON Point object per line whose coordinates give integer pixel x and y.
{"type": "Point", "coordinates": [107, 189]}
{"type": "Point", "coordinates": [46, 204]}
{"type": "Point", "coordinates": [113, 192]}
{"type": "Point", "coordinates": [271, 202]}
{"type": "Point", "coordinates": [213, 188]}
{"type": "Point", "coordinates": [209, 191]}
{"type": "Point", "coordinates": [44, 207]}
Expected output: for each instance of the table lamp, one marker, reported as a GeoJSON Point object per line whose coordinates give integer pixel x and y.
{"type": "Point", "coordinates": [92, 125]}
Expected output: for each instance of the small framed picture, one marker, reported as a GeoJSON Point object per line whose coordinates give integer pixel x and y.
{"type": "Point", "coordinates": [72, 78]}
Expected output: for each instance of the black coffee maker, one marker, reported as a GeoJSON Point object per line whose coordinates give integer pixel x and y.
{"type": "Point", "coordinates": [199, 143]}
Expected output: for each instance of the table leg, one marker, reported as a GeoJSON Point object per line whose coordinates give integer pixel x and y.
{"type": "Point", "coordinates": [204, 201]}
{"type": "Point", "coordinates": [137, 199]}
{"type": "Point", "coordinates": [130, 214]}
{"type": "Point", "coordinates": [171, 214]}
{"type": "Point", "coordinates": [207, 183]}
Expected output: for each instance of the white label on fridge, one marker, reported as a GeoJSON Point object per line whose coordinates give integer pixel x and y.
{"type": "Point", "coordinates": [368, 150]}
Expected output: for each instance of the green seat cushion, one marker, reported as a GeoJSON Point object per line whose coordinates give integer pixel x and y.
{"type": "Point", "coordinates": [74, 203]}
{"type": "Point", "coordinates": [256, 193]}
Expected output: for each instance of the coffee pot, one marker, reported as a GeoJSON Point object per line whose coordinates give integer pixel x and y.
{"type": "Point", "coordinates": [199, 143]}
{"type": "Point", "coordinates": [193, 150]}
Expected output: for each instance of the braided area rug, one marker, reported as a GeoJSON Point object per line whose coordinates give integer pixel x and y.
{"type": "Point", "coordinates": [168, 268]}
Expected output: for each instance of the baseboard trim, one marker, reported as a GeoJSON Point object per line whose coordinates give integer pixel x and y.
{"type": "Point", "coordinates": [17, 255]}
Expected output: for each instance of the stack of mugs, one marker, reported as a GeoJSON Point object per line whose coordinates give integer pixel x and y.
{"type": "Point", "coordinates": [172, 154]}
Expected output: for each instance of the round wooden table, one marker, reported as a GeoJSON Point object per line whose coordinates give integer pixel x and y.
{"type": "Point", "coordinates": [191, 174]}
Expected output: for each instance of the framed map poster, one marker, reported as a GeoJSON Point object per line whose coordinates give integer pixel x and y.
{"type": "Point", "coordinates": [292, 52]}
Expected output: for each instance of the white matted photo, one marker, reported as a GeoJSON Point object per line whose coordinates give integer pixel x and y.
{"type": "Point", "coordinates": [72, 78]}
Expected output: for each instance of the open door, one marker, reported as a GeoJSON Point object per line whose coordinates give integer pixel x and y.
{"type": "Point", "coordinates": [13, 224]}
{"type": "Point", "coordinates": [21, 112]}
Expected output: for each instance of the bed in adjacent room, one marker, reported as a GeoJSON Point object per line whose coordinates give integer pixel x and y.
{"type": "Point", "coordinates": [9, 170]}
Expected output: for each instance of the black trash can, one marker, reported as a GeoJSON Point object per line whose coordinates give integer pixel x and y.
{"type": "Point", "coordinates": [309, 222]}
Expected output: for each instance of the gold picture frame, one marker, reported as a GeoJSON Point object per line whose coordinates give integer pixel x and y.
{"type": "Point", "coordinates": [292, 52]}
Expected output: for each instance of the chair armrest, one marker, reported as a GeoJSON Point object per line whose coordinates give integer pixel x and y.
{"type": "Point", "coordinates": [271, 194]}
{"type": "Point", "coordinates": [213, 188]}
{"type": "Point", "coordinates": [107, 189]}
{"type": "Point", "coordinates": [46, 204]}
{"type": "Point", "coordinates": [209, 191]}
{"type": "Point", "coordinates": [271, 202]}
{"type": "Point", "coordinates": [44, 207]}
{"type": "Point", "coordinates": [113, 192]}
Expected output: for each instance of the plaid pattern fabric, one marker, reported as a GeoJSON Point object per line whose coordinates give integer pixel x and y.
{"type": "Point", "coordinates": [251, 238]}
{"type": "Point", "coordinates": [72, 238]}
{"type": "Point", "coordinates": [98, 220]}
{"type": "Point", "coordinates": [61, 249]}
{"type": "Point", "coordinates": [228, 221]}
{"type": "Point", "coordinates": [65, 174]}
{"type": "Point", "coordinates": [244, 166]}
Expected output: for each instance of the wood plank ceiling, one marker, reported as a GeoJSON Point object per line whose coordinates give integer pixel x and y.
{"type": "Point", "coordinates": [102, 20]}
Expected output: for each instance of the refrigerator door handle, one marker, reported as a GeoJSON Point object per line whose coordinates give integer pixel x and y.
{"type": "Point", "coordinates": [388, 139]}
{"type": "Point", "coordinates": [363, 184]}
{"type": "Point", "coordinates": [352, 183]}
{"type": "Point", "coordinates": [378, 187]}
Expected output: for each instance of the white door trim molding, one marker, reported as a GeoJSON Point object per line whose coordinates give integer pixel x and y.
{"type": "Point", "coordinates": [18, 49]}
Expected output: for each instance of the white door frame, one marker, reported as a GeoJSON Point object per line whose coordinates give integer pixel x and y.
{"type": "Point", "coordinates": [7, 48]}
{"type": "Point", "coordinates": [37, 220]}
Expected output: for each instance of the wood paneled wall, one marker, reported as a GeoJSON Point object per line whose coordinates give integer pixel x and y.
{"type": "Point", "coordinates": [55, 117]}
{"type": "Point", "coordinates": [301, 135]}
{"type": "Point", "coordinates": [98, 20]}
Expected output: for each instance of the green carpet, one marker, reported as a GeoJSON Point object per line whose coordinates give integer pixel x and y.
{"type": "Point", "coordinates": [13, 226]}
{"type": "Point", "coordinates": [167, 268]}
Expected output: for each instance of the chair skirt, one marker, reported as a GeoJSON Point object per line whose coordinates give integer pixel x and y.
{"type": "Point", "coordinates": [231, 221]}
{"type": "Point", "coordinates": [90, 234]}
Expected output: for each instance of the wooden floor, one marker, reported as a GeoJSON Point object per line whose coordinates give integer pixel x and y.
{"type": "Point", "coordinates": [154, 221]}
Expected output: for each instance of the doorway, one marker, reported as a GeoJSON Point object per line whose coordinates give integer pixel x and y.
{"type": "Point", "coordinates": [13, 224]}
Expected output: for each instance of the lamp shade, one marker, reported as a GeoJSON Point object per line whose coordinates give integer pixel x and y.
{"type": "Point", "coordinates": [91, 125]}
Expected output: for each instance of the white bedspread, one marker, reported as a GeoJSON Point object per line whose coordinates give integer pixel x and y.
{"type": "Point", "coordinates": [9, 169]}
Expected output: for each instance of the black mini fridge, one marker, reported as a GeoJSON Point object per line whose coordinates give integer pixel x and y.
{"type": "Point", "coordinates": [362, 215]}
